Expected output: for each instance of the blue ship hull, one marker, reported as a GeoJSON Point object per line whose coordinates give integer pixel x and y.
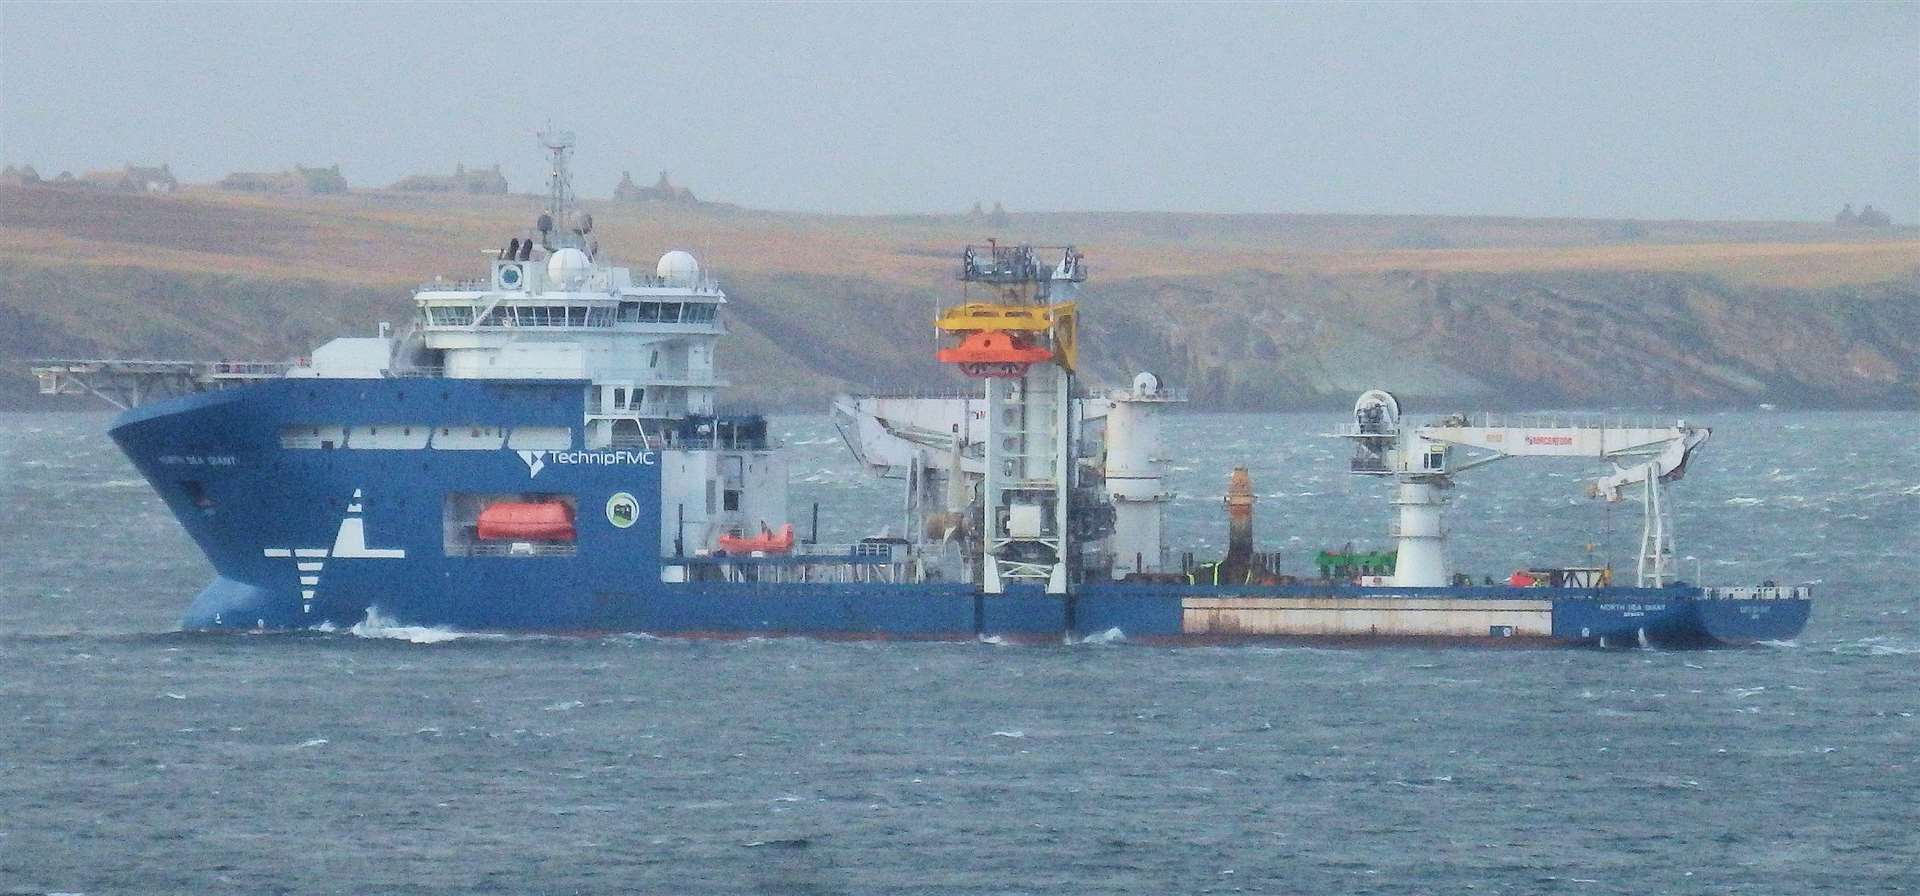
{"type": "Point", "coordinates": [305, 537]}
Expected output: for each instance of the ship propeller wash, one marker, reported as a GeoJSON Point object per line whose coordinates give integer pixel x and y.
{"type": "Point", "coordinates": [542, 449]}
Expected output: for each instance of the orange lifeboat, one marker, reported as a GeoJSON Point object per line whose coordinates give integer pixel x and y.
{"type": "Point", "coordinates": [766, 542]}
{"type": "Point", "coordinates": [517, 521]}
{"type": "Point", "coordinates": [993, 353]}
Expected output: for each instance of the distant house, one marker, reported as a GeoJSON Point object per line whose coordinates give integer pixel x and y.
{"type": "Point", "coordinates": [1867, 216]}
{"type": "Point", "coordinates": [23, 176]}
{"type": "Point", "coordinates": [997, 218]}
{"type": "Point", "coordinates": [133, 179]}
{"type": "Point", "coordinates": [662, 190]}
{"type": "Point", "coordinates": [488, 181]}
{"type": "Point", "coordinates": [301, 180]}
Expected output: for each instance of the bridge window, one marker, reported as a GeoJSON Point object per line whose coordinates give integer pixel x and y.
{"type": "Point", "coordinates": [308, 435]}
{"type": "Point", "coordinates": [450, 316]}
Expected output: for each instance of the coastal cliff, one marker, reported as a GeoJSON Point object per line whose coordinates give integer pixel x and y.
{"type": "Point", "coordinates": [1248, 311]}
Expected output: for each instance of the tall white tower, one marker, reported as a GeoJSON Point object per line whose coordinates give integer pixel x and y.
{"type": "Point", "coordinates": [1023, 346]}
{"type": "Point", "coordinates": [1135, 475]}
{"type": "Point", "coordinates": [1383, 447]}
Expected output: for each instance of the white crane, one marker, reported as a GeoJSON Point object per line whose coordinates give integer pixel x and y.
{"type": "Point", "coordinates": [1419, 458]}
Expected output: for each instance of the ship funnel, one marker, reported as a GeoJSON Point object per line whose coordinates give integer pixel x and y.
{"type": "Point", "coordinates": [1239, 519]}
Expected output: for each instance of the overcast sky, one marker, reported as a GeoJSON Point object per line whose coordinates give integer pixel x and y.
{"type": "Point", "coordinates": [1656, 110]}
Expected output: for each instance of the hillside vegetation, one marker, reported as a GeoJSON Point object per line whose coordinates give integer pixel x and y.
{"type": "Point", "coordinates": [1250, 311]}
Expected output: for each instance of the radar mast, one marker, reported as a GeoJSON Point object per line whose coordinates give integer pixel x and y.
{"type": "Point", "coordinates": [558, 216]}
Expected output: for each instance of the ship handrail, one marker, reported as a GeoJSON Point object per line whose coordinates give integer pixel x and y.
{"type": "Point", "coordinates": [1757, 592]}
{"type": "Point", "coordinates": [514, 549]}
{"type": "Point", "coordinates": [864, 552]}
{"type": "Point", "coordinates": [455, 286]}
{"type": "Point", "coordinates": [705, 287]}
{"type": "Point", "coordinates": [641, 376]}
{"type": "Point", "coordinates": [1527, 421]}
{"type": "Point", "coordinates": [164, 364]}
{"type": "Point", "coordinates": [940, 393]}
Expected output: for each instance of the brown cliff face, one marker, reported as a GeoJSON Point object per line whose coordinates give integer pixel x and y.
{"type": "Point", "coordinates": [1248, 312]}
{"type": "Point", "coordinates": [1585, 338]}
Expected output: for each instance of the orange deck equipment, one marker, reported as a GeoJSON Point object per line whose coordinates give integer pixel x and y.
{"type": "Point", "coordinates": [517, 521]}
{"type": "Point", "coordinates": [993, 354]}
{"type": "Point", "coordinates": [766, 542]}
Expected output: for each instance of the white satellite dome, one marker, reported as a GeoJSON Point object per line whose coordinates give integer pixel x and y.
{"type": "Point", "coordinates": [568, 268]}
{"type": "Point", "coordinates": [678, 268]}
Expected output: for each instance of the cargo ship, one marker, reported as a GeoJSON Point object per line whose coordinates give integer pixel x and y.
{"type": "Point", "coordinates": [542, 450]}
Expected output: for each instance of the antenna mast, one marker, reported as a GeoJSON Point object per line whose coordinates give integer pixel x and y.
{"type": "Point", "coordinates": [559, 145]}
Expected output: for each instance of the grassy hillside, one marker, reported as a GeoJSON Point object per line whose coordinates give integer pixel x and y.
{"type": "Point", "coordinates": [1248, 310]}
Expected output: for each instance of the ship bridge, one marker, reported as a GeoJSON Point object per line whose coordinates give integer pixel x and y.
{"type": "Point", "coordinates": [645, 343]}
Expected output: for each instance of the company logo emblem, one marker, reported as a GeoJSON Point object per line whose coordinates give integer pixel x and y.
{"type": "Point", "coordinates": [615, 457]}
{"type": "Point", "coordinates": [350, 542]}
{"type": "Point", "coordinates": [622, 510]}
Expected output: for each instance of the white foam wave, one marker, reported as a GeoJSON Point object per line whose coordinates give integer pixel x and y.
{"type": "Point", "coordinates": [1013, 733]}
{"type": "Point", "coordinates": [381, 627]}
{"type": "Point", "coordinates": [1876, 647]}
{"type": "Point", "coordinates": [1110, 636]}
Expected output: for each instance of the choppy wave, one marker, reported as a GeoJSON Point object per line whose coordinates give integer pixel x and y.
{"type": "Point", "coordinates": [1110, 636]}
{"type": "Point", "coordinates": [1876, 646]}
{"type": "Point", "coordinates": [383, 628]}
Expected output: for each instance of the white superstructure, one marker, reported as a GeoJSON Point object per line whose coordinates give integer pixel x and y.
{"type": "Point", "coordinates": [1135, 475]}
{"type": "Point", "coordinates": [641, 343]}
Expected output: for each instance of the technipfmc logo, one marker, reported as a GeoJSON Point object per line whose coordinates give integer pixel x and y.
{"type": "Point", "coordinates": [540, 460]}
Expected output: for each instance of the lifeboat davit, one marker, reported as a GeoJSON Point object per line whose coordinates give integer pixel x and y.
{"type": "Point", "coordinates": [767, 542]}
{"type": "Point", "coordinates": [519, 521]}
{"type": "Point", "coordinates": [993, 353]}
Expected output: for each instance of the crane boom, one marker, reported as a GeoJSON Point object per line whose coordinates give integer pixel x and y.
{"type": "Point", "coordinates": [1421, 462]}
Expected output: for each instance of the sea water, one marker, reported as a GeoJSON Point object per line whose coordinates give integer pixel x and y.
{"type": "Point", "coordinates": [384, 758]}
